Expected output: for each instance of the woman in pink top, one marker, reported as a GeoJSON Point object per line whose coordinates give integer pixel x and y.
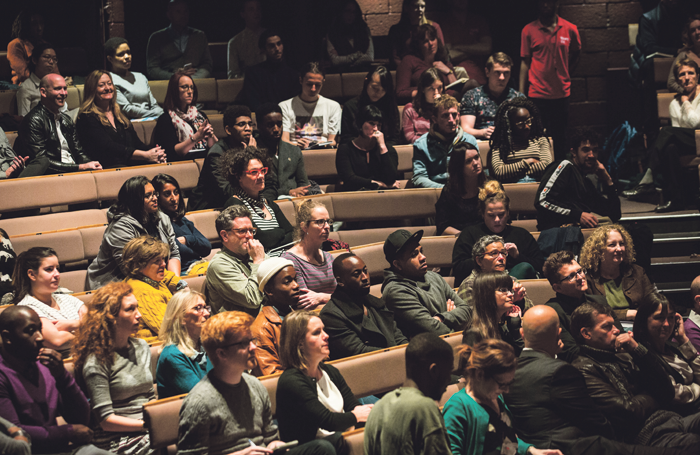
{"type": "Point", "coordinates": [415, 120]}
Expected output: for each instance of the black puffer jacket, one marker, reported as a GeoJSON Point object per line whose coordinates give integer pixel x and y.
{"type": "Point", "coordinates": [37, 137]}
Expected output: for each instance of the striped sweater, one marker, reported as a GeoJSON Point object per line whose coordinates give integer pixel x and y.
{"type": "Point", "coordinates": [515, 168]}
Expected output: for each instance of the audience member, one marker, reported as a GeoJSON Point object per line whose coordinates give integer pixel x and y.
{"type": "Point", "coordinates": [357, 322]}
{"type": "Point", "coordinates": [245, 169]}
{"type": "Point", "coordinates": [458, 204]}
{"type": "Point", "coordinates": [27, 32]}
{"type": "Point", "coordinates": [520, 152]}
{"type": "Point", "coordinates": [421, 299]}
{"type": "Point", "coordinates": [690, 49]}
{"type": "Point", "coordinates": [42, 62]}
{"type": "Point", "coordinates": [36, 389]}
{"type": "Point", "coordinates": [367, 162]}
{"type": "Point", "coordinates": [400, 34]}
{"type": "Point", "coordinates": [567, 195]}
{"type": "Point", "coordinates": [133, 92]}
{"type": "Point", "coordinates": [208, 422]}
{"type": "Point", "coordinates": [627, 383]}
{"type": "Point", "coordinates": [271, 81]}
{"type": "Point", "coordinates": [314, 267]}
{"type": "Point", "coordinates": [213, 189]}
{"type": "Point", "coordinates": [568, 280]}
{"type": "Point", "coordinates": [477, 418]}
{"type": "Point", "coordinates": [49, 137]}
{"type": "Point", "coordinates": [278, 282]}
{"type": "Point", "coordinates": [426, 51]}
{"type": "Point", "coordinates": [467, 38]}
{"type": "Point", "coordinates": [8, 259]}
{"type": "Point", "coordinates": [285, 159]}
{"type": "Point", "coordinates": [11, 165]}
{"type": "Point", "coordinates": [377, 91]}
{"type": "Point", "coordinates": [479, 105]}
{"type": "Point", "coordinates": [183, 361]}
{"type": "Point", "coordinates": [13, 440]}
{"type": "Point", "coordinates": [655, 325]}
{"type": "Point", "coordinates": [550, 49]}
{"type": "Point", "coordinates": [184, 130]}
{"type": "Point", "coordinates": [495, 313]}
{"type": "Point", "coordinates": [349, 40]}
{"type": "Point", "coordinates": [106, 132]}
{"type": "Point", "coordinates": [407, 420]}
{"type": "Point", "coordinates": [36, 280]}
{"type": "Point", "coordinates": [524, 259]}
{"type": "Point", "coordinates": [692, 324]}
{"type": "Point", "coordinates": [115, 369]}
{"type": "Point", "coordinates": [191, 244]}
{"type": "Point", "coordinates": [313, 400]}
{"type": "Point", "coordinates": [415, 119]}
{"type": "Point", "coordinates": [430, 152]}
{"type": "Point", "coordinates": [143, 263]}
{"type": "Point", "coordinates": [674, 142]}
{"type": "Point", "coordinates": [243, 51]}
{"type": "Point", "coordinates": [231, 283]}
{"type": "Point", "coordinates": [178, 46]}
{"type": "Point", "coordinates": [309, 118]}
{"type": "Point", "coordinates": [608, 258]}
{"type": "Point", "coordinates": [134, 214]}
{"type": "Point", "coordinates": [489, 255]}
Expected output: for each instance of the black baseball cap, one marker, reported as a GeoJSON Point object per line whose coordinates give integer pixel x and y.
{"type": "Point", "coordinates": [397, 240]}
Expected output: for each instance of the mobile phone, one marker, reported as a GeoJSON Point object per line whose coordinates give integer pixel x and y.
{"type": "Point", "coordinates": [283, 448]}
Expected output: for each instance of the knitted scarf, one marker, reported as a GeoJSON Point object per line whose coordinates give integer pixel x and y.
{"type": "Point", "coordinates": [184, 123]}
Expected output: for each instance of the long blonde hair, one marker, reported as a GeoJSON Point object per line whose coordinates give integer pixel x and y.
{"type": "Point", "coordinates": [89, 106]}
{"type": "Point", "coordinates": [171, 330]}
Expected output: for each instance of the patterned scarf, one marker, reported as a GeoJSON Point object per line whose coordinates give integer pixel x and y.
{"type": "Point", "coordinates": [184, 121]}
{"type": "Point", "coordinates": [258, 202]}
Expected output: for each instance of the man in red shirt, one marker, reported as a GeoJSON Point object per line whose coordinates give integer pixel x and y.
{"type": "Point", "coordinates": [550, 49]}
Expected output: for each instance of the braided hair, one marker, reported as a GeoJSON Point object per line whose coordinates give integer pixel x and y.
{"type": "Point", "coordinates": [502, 138]}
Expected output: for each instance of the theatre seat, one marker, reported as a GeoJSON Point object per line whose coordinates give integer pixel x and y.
{"type": "Point", "coordinates": [539, 291]}
{"type": "Point", "coordinates": [228, 90]}
{"type": "Point", "coordinates": [205, 222]}
{"type": "Point", "coordinates": [11, 137]}
{"type": "Point", "coordinates": [162, 418]}
{"type": "Point", "coordinates": [68, 244]}
{"type": "Point", "coordinates": [159, 89]}
{"type": "Point", "coordinates": [8, 102]}
{"type": "Point", "coordinates": [52, 222]}
{"type": "Point", "coordinates": [332, 87]}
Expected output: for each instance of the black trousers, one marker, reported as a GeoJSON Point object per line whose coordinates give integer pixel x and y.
{"type": "Point", "coordinates": [664, 158]}
{"type": "Point", "coordinates": [555, 119]}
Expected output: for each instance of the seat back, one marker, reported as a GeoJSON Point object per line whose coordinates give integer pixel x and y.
{"type": "Point", "coordinates": [228, 90]}
{"type": "Point", "coordinates": [92, 239]}
{"type": "Point", "coordinates": [162, 419]}
{"type": "Point", "coordinates": [352, 84]}
{"type": "Point", "coordinates": [47, 191]}
{"type": "Point", "coordinates": [73, 98]}
{"type": "Point", "coordinates": [111, 180]}
{"type": "Point", "coordinates": [53, 221]}
{"type": "Point", "coordinates": [68, 244]}
{"type": "Point", "coordinates": [320, 164]}
{"type": "Point", "coordinates": [539, 291]}
{"type": "Point", "coordinates": [8, 102]}
{"type": "Point", "coordinates": [205, 222]}
{"type": "Point", "coordinates": [159, 89]}
{"type": "Point", "coordinates": [522, 198]}
{"type": "Point", "coordinates": [332, 87]}
{"type": "Point", "coordinates": [206, 91]}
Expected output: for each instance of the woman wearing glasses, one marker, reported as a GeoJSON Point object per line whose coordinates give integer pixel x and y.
{"type": "Point", "coordinates": [314, 266]}
{"type": "Point", "coordinates": [476, 418]}
{"type": "Point", "coordinates": [143, 263]}
{"type": "Point", "coordinates": [495, 314]}
{"type": "Point", "coordinates": [114, 369]}
{"type": "Point", "coordinates": [183, 361]}
{"type": "Point", "coordinates": [134, 214]}
{"type": "Point", "coordinates": [608, 257]}
{"type": "Point", "coordinates": [42, 62]}
{"type": "Point", "coordinates": [245, 169]}
{"type": "Point", "coordinates": [105, 132]}
{"type": "Point", "coordinates": [520, 151]}
{"type": "Point", "coordinates": [183, 131]}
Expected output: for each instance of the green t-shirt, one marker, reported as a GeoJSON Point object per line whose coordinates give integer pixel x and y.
{"type": "Point", "coordinates": [615, 295]}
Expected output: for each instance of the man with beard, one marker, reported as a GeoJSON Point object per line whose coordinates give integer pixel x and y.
{"type": "Point", "coordinates": [355, 321]}
{"type": "Point", "coordinates": [286, 160]}
{"type": "Point", "coordinates": [567, 195]}
{"type": "Point", "coordinates": [421, 300]}
{"type": "Point", "coordinates": [277, 280]}
{"type": "Point", "coordinates": [230, 410]}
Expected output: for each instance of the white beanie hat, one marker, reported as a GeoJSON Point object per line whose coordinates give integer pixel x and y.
{"type": "Point", "coordinates": [269, 268]}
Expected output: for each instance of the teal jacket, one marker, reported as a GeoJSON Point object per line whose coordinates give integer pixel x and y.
{"type": "Point", "coordinates": [176, 373]}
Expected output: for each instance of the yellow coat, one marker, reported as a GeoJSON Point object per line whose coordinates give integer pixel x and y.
{"type": "Point", "coordinates": [152, 303]}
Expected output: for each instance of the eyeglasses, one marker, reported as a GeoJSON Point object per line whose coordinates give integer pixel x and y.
{"type": "Point", "coordinates": [186, 88]}
{"type": "Point", "coordinates": [151, 195]}
{"type": "Point", "coordinates": [573, 275]}
{"type": "Point", "coordinates": [242, 343]}
{"type": "Point", "coordinates": [243, 124]}
{"type": "Point", "coordinates": [503, 385]}
{"type": "Point", "coordinates": [50, 59]}
{"type": "Point", "coordinates": [522, 123]}
{"type": "Point", "coordinates": [505, 291]}
{"type": "Point", "coordinates": [255, 173]}
{"type": "Point", "coordinates": [242, 232]}
{"type": "Point", "coordinates": [321, 223]}
{"type": "Point", "coordinates": [199, 308]}
{"type": "Point", "coordinates": [494, 254]}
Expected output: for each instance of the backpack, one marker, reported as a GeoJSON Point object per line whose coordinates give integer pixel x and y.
{"type": "Point", "coordinates": [624, 148]}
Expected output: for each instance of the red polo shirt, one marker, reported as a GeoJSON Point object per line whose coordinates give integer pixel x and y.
{"type": "Point", "coordinates": [549, 70]}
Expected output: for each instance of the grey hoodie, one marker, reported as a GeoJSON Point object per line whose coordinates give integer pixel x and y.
{"type": "Point", "coordinates": [105, 267]}
{"type": "Point", "coordinates": [414, 304]}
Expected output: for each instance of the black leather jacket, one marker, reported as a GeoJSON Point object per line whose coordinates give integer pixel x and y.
{"type": "Point", "coordinates": [37, 137]}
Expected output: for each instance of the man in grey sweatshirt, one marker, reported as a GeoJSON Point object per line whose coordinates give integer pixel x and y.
{"type": "Point", "coordinates": [421, 299]}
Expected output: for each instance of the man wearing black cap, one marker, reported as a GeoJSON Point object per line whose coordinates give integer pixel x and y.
{"type": "Point", "coordinates": [421, 300]}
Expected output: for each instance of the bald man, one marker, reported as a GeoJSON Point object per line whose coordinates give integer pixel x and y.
{"type": "Point", "coordinates": [48, 136]}
{"type": "Point", "coordinates": [692, 324]}
{"type": "Point", "coordinates": [549, 401]}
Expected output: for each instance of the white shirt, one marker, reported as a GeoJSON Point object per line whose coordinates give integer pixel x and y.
{"type": "Point", "coordinates": [66, 157]}
{"type": "Point", "coordinates": [329, 395]}
{"type": "Point", "coordinates": [686, 115]}
{"type": "Point", "coordinates": [314, 121]}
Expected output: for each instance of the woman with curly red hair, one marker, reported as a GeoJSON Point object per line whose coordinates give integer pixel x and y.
{"type": "Point", "coordinates": [115, 369]}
